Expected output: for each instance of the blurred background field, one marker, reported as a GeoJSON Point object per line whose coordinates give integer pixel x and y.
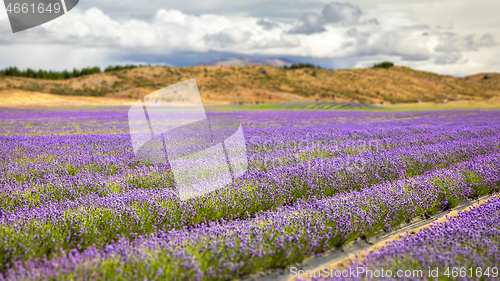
{"type": "Point", "coordinates": [262, 87]}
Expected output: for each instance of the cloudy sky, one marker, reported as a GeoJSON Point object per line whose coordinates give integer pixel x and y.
{"type": "Point", "coordinates": [456, 37]}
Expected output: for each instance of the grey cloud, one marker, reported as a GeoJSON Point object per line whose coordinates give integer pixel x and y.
{"type": "Point", "coordinates": [371, 21]}
{"type": "Point", "coordinates": [354, 32]}
{"type": "Point", "coordinates": [285, 41]}
{"type": "Point", "coordinates": [333, 13]}
{"type": "Point", "coordinates": [416, 57]}
{"type": "Point", "coordinates": [450, 42]}
{"type": "Point", "coordinates": [311, 19]}
{"type": "Point", "coordinates": [410, 43]}
{"type": "Point", "coordinates": [360, 39]}
{"type": "Point", "coordinates": [307, 29]}
{"type": "Point", "coordinates": [392, 43]}
{"type": "Point", "coordinates": [310, 23]}
{"type": "Point", "coordinates": [416, 27]}
{"type": "Point", "coordinates": [487, 40]}
{"type": "Point", "coordinates": [227, 37]}
{"type": "Point", "coordinates": [449, 26]}
{"type": "Point", "coordinates": [336, 12]}
{"type": "Point", "coordinates": [268, 25]}
{"type": "Point", "coordinates": [448, 58]}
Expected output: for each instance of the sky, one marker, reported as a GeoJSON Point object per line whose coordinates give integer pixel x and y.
{"type": "Point", "coordinates": [453, 37]}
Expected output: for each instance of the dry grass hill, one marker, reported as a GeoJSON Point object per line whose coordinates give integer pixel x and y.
{"type": "Point", "coordinates": [258, 85]}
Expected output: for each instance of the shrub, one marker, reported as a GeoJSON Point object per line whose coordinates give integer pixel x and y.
{"type": "Point", "coordinates": [385, 64]}
{"type": "Point", "coordinates": [121, 67]}
{"type": "Point", "coordinates": [301, 65]}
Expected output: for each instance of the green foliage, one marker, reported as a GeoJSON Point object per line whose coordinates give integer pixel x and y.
{"type": "Point", "coordinates": [385, 64]}
{"type": "Point", "coordinates": [301, 65]}
{"type": "Point", "coordinates": [49, 75]}
{"type": "Point", "coordinates": [121, 67]}
{"type": "Point", "coordinates": [61, 75]}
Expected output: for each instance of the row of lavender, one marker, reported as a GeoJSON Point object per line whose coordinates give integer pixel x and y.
{"type": "Point", "coordinates": [223, 250]}
{"type": "Point", "coordinates": [466, 247]}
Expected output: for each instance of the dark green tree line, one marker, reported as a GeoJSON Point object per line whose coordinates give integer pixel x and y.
{"type": "Point", "coordinates": [61, 75]}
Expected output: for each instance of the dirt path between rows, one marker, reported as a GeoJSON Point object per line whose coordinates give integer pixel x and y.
{"type": "Point", "coordinates": [340, 258]}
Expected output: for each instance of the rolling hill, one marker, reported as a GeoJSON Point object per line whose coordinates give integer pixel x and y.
{"type": "Point", "coordinates": [265, 84]}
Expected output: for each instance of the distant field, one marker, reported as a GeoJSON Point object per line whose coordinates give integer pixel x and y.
{"type": "Point", "coordinates": [24, 99]}
{"type": "Point", "coordinates": [361, 107]}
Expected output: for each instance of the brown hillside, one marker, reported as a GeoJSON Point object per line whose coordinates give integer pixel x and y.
{"type": "Point", "coordinates": [264, 84]}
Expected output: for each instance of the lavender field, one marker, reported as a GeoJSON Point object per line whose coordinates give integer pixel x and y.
{"type": "Point", "coordinates": [76, 204]}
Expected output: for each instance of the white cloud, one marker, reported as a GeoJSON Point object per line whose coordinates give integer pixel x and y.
{"type": "Point", "coordinates": [340, 31]}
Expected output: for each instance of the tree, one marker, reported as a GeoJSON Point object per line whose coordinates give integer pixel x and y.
{"type": "Point", "coordinates": [385, 64]}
